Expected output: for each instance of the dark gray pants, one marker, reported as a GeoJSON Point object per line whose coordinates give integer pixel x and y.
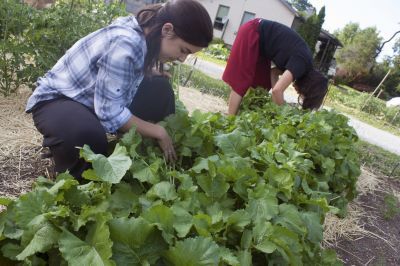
{"type": "Point", "coordinates": [66, 124]}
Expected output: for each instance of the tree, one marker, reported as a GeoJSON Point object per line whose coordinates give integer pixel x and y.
{"type": "Point", "coordinates": [347, 34]}
{"type": "Point", "coordinates": [396, 50]}
{"type": "Point", "coordinates": [311, 28]}
{"type": "Point", "coordinates": [357, 57]}
{"type": "Point", "coordinates": [392, 84]}
{"type": "Point", "coordinates": [379, 50]}
{"type": "Point", "coordinates": [301, 5]}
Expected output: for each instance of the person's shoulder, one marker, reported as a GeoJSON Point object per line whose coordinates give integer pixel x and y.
{"type": "Point", "coordinates": [126, 26]}
{"type": "Point", "coordinates": [127, 30]}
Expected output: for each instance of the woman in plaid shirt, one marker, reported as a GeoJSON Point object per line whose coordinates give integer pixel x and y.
{"type": "Point", "coordinates": [90, 90]}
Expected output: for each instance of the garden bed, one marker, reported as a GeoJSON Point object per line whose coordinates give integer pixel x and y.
{"type": "Point", "coordinates": [366, 237]}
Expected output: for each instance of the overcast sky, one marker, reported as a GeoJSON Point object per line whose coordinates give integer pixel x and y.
{"type": "Point", "coordinates": [383, 14]}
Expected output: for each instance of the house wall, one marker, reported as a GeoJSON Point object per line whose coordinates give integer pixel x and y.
{"type": "Point", "coordinates": [267, 9]}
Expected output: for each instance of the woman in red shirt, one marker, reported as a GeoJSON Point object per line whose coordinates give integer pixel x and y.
{"type": "Point", "coordinates": [261, 42]}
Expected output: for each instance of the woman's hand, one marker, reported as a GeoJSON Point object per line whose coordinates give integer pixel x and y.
{"type": "Point", "coordinates": [154, 131]}
{"type": "Point", "coordinates": [165, 142]}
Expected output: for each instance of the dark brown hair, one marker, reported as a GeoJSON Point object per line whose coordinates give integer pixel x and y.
{"type": "Point", "coordinates": [190, 19]}
{"type": "Point", "coordinates": [312, 88]}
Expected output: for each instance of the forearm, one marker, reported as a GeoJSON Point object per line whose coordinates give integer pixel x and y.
{"type": "Point", "coordinates": [234, 103]}
{"type": "Point", "coordinates": [144, 128]}
{"type": "Point", "coordinates": [275, 73]}
{"type": "Point", "coordinates": [280, 87]}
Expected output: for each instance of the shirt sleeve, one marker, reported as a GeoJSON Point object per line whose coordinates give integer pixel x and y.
{"type": "Point", "coordinates": [298, 66]}
{"type": "Point", "coordinates": [120, 72]}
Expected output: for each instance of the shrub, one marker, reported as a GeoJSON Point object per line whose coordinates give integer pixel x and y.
{"type": "Point", "coordinates": [36, 39]}
{"type": "Point", "coordinates": [217, 51]}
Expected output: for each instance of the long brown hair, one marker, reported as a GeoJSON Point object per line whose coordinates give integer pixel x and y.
{"type": "Point", "coordinates": [190, 19]}
{"type": "Point", "coordinates": [313, 88]}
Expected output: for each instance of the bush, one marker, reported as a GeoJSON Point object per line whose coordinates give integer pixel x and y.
{"type": "Point", "coordinates": [358, 101]}
{"type": "Point", "coordinates": [217, 41]}
{"type": "Point", "coordinates": [374, 106]}
{"type": "Point", "coordinates": [392, 116]}
{"type": "Point", "coordinates": [36, 39]}
{"type": "Point", "coordinates": [218, 51]}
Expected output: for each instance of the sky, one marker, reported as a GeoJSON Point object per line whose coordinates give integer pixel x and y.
{"type": "Point", "coordinates": [383, 14]}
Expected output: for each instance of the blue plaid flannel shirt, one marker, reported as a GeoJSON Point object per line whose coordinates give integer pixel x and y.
{"type": "Point", "coordinates": [102, 71]}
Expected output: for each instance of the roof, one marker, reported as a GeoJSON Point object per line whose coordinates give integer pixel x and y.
{"type": "Point", "coordinates": [326, 35]}
{"type": "Point", "coordinates": [291, 9]}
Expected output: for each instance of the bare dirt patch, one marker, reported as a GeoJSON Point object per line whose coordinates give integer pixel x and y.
{"type": "Point", "coordinates": [194, 99]}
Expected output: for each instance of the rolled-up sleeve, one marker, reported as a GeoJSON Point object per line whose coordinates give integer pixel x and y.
{"type": "Point", "coordinates": [120, 73]}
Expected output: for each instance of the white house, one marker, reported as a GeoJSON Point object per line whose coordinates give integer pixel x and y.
{"type": "Point", "coordinates": [229, 15]}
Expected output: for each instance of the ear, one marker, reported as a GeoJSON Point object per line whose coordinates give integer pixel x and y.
{"type": "Point", "coordinates": [167, 30]}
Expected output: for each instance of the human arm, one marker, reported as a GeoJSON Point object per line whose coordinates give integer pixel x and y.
{"type": "Point", "coordinates": [116, 86]}
{"type": "Point", "coordinates": [280, 86]}
{"type": "Point", "coordinates": [275, 73]}
{"type": "Point", "coordinates": [154, 131]}
{"type": "Point", "coordinates": [234, 102]}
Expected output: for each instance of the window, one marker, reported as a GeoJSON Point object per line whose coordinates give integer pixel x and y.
{"type": "Point", "coordinates": [247, 16]}
{"type": "Point", "coordinates": [222, 17]}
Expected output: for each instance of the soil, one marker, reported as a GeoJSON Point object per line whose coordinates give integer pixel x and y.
{"type": "Point", "coordinates": [18, 171]}
{"type": "Point", "coordinates": [20, 167]}
{"type": "Point", "coordinates": [384, 247]}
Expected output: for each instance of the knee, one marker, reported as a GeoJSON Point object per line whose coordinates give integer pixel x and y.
{"type": "Point", "coordinates": [95, 138]}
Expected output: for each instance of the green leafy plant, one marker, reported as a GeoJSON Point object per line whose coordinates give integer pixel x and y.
{"type": "Point", "coordinates": [33, 40]}
{"type": "Point", "coordinates": [392, 207]}
{"type": "Point", "coordinates": [247, 190]}
{"type": "Point", "coordinates": [218, 51]}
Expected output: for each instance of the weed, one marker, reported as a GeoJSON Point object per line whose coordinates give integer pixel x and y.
{"type": "Point", "coordinates": [391, 206]}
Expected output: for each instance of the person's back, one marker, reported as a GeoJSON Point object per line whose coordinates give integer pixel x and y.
{"type": "Point", "coordinates": [271, 55]}
{"type": "Point", "coordinates": [280, 43]}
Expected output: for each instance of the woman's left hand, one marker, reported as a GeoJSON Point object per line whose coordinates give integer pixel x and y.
{"type": "Point", "coordinates": [165, 142]}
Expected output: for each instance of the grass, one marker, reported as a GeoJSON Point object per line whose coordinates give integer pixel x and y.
{"type": "Point", "coordinates": [203, 82]}
{"type": "Point", "coordinates": [379, 159]}
{"type": "Point", "coordinates": [391, 208]}
{"type": "Point", "coordinates": [365, 117]}
{"type": "Point", "coordinates": [368, 109]}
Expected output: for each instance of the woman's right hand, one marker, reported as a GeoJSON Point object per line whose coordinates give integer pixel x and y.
{"type": "Point", "coordinates": [154, 131]}
{"type": "Point", "coordinates": [165, 142]}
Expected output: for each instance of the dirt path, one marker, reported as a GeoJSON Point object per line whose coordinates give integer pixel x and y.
{"type": "Point", "coordinates": [194, 99]}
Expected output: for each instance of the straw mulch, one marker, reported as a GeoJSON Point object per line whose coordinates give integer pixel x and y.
{"type": "Point", "coordinates": [351, 226]}
{"type": "Point", "coordinates": [20, 147]}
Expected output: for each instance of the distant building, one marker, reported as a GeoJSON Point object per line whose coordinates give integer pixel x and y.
{"type": "Point", "coordinates": [324, 57]}
{"type": "Point", "coordinates": [229, 15]}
